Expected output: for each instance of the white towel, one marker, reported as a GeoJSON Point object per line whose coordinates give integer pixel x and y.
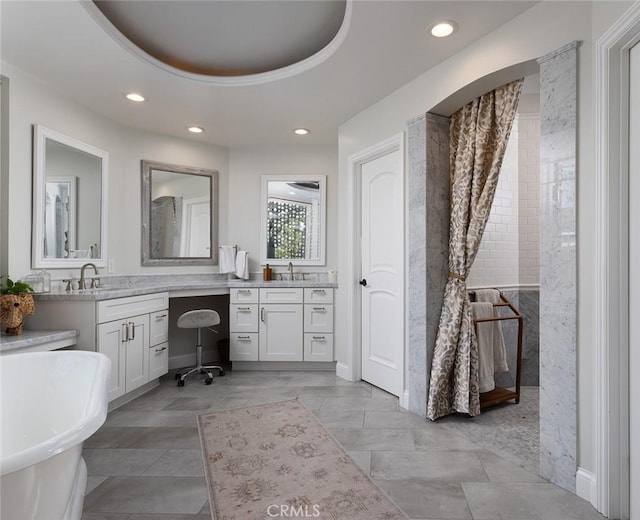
{"type": "Point", "coordinates": [499, 350]}
{"type": "Point", "coordinates": [227, 262]}
{"type": "Point", "coordinates": [485, 337]}
{"type": "Point", "coordinates": [242, 265]}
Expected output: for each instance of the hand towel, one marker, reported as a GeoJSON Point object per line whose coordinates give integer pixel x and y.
{"type": "Point", "coordinates": [242, 265]}
{"type": "Point", "coordinates": [499, 350]}
{"type": "Point", "coordinates": [227, 263]}
{"type": "Point", "coordinates": [485, 330]}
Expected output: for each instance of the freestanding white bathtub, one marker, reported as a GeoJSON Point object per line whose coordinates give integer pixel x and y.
{"type": "Point", "coordinates": [51, 402]}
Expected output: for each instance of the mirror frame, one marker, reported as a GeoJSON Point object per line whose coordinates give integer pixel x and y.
{"type": "Point", "coordinates": [147, 167]}
{"type": "Point", "coordinates": [38, 260]}
{"type": "Point", "coordinates": [322, 180]}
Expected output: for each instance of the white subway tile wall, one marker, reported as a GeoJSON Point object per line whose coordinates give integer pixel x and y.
{"type": "Point", "coordinates": [508, 254]}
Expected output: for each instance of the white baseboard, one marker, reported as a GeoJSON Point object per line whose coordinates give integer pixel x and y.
{"type": "Point", "coordinates": [342, 370]}
{"type": "Point", "coordinates": [586, 486]}
{"type": "Point", "coordinates": [404, 399]}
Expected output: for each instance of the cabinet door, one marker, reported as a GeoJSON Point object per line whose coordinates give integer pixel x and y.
{"type": "Point", "coordinates": [318, 318]}
{"type": "Point", "coordinates": [318, 295]}
{"type": "Point", "coordinates": [243, 318]}
{"type": "Point", "coordinates": [159, 327]}
{"type": "Point", "coordinates": [318, 347]}
{"type": "Point", "coordinates": [243, 347]}
{"type": "Point", "coordinates": [158, 360]}
{"type": "Point", "coordinates": [244, 295]}
{"type": "Point", "coordinates": [280, 333]}
{"type": "Point", "coordinates": [112, 342]}
{"type": "Point", "coordinates": [137, 352]}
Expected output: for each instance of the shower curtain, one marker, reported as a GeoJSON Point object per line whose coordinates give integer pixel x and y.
{"type": "Point", "coordinates": [479, 132]}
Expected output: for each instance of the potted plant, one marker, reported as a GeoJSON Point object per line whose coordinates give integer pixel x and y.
{"type": "Point", "coordinates": [16, 302]}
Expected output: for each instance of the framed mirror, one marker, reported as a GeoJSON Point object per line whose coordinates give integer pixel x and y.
{"type": "Point", "coordinates": [179, 215]}
{"type": "Point", "coordinates": [69, 225]}
{"type": "Point", "coordinates": [293, 219]}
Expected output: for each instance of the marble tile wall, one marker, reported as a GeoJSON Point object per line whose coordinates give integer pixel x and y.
{"type": "Point", "coordinates": [527, 302]}
{"type": "Point", "coordinates": [428, 222]}
{"type": "Point", "coordinates": [558, 399]}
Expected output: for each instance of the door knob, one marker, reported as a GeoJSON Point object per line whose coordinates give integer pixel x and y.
{"type": "Point", "coordinates": [363, 282]}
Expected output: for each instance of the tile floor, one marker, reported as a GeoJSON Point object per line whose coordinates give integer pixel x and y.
{"type": "Point", "coordinates": [144, 463]}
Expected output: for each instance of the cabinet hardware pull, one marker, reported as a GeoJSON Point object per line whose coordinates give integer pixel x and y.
{"type": "Point", "coordinates": [161, 316]}
{"type": "Point", "coordinates": [244, 291]}
{"type": "Point", "coordinates": [244, 337]}
{"type": "Point", "coordinates": [262, 314]}
{"type": "Point", "coordinates": [161, 349]}
{"type": "Point", "coordinates": [319, 291]}
{"type": "Point", "coordinates": [319, 309]}
{"type": "Point", "coordinates": [319, 337]}
{"type": "Point", "coordinates": [244, 309]}
{"type": "Point", "coordinates": [133, 330]}
{"type": "Point", "coordinates": [125, 333]}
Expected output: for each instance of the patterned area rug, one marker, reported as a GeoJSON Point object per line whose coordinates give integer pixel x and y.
{"type": "Point", "coordinates": [277, 461]}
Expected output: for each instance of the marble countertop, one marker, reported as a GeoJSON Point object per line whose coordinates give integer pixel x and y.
{"type": "Point", "coordinates": [33, 338]}
{"type": "Point", "coordinates": [175, 285]}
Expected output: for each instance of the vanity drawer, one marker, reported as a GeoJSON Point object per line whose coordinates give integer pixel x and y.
{"type": "Point", "coordinates": [318, 347]}
{"type": "Point", "coordinates": [318, 295]}
{"type": "Point", "coordinates": [243, 347]}
{"type": "Point", "coordinates": [158, 360]}
{"type": "Point", "coordinates": [248, 295]}
{"type": "Point", "coordinates": [119, 308]}
{"type": "Point", "coordinates": [159, 327]}
{"type": "Point", "coordinates": [243, 318]}
{"type": "Point", "coordinates": [281, 295]}
{"type": "Point", "coordinates": [318, 318]}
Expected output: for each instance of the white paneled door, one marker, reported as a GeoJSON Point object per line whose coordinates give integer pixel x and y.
{"type": "Point", "coordinates": [634, 282]}
{"type": "Point", "coordinates": [382, 272]}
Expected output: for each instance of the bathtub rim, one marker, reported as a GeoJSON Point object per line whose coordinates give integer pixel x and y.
{"type": "Point", "coordinates": [96, 413]}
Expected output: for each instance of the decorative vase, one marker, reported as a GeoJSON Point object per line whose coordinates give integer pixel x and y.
{"type": "Point", "coordinates": [13, 309]}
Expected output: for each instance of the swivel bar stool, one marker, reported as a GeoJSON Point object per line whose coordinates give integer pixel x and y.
{"type": "Point", "coordinates": [197, 320]}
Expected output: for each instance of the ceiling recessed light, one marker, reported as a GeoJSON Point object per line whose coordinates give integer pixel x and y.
{"type": "Point", "coordinates": [195, 129]}
{"type": "Point", "coordinates": [135, 97]}
{"type": "Point", "coordinates": [301, 131]}
{"type": "Point", "coordinates": [442, 29]}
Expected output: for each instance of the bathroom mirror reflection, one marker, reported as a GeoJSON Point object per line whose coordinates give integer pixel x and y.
{"type": "Point", "coordinates": [293, 219]}
{"type": "Point", "coordinates": [179, 215]}
{"type": "Point", "coordinates": [69, 201]}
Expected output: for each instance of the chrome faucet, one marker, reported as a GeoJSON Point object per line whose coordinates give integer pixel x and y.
{"type": "Point", "coordinates": [290, 271]}
{"type": "Point", "coordinates": [82, 284]}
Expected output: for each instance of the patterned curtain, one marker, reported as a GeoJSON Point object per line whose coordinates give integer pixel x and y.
{"type": "Point", "coordinates": [479, 133]}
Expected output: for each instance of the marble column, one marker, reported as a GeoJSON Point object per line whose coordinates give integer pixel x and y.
{"type": "Point", "coordinates": [428, 222]}
{"type": "Point", "coordinates": [558, 390]}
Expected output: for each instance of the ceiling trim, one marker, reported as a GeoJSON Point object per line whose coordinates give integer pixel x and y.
{"type": "Point", "coordinates": [228, 81]}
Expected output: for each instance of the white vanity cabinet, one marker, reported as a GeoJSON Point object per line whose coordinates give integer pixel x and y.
{"type": "Point", "coordinates": [318, 324]}
{"type": "Point", "coordinates": [281, 324]}
{"type": "Point", "coordinates": [243, 324]}
{"type": "Point", "coordinates": [133, 333]}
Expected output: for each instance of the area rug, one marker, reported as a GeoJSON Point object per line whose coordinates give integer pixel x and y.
{"type": "Point", "coordinates": [277, 461]}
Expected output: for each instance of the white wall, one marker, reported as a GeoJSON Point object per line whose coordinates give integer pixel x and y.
{"type": "Point", "coordinates": [249, 164]}
{"type": "Point", "coordinates": [238, 182]}
{"type": "Point", "coordinates": [31, 103]}
{"type": "Point", "coordinates": [539, 31]}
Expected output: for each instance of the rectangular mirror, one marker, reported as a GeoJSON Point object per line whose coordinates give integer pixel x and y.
{"type": "Point", "coordinates": [293, 219]}
{"type": "Point", "coordinates": [179, 215]}
{"type": "Point", "coordinates": [69, 201]}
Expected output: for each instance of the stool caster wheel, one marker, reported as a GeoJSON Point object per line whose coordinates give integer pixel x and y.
{"type": "Point", "coordinates": [221, 373]}
{"type": "Point", "coordinates": [208, 380]}
{"type": "Point", "coordinates": [177, 376]}
{"type": "Point", "coordinates": [181, 382]}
